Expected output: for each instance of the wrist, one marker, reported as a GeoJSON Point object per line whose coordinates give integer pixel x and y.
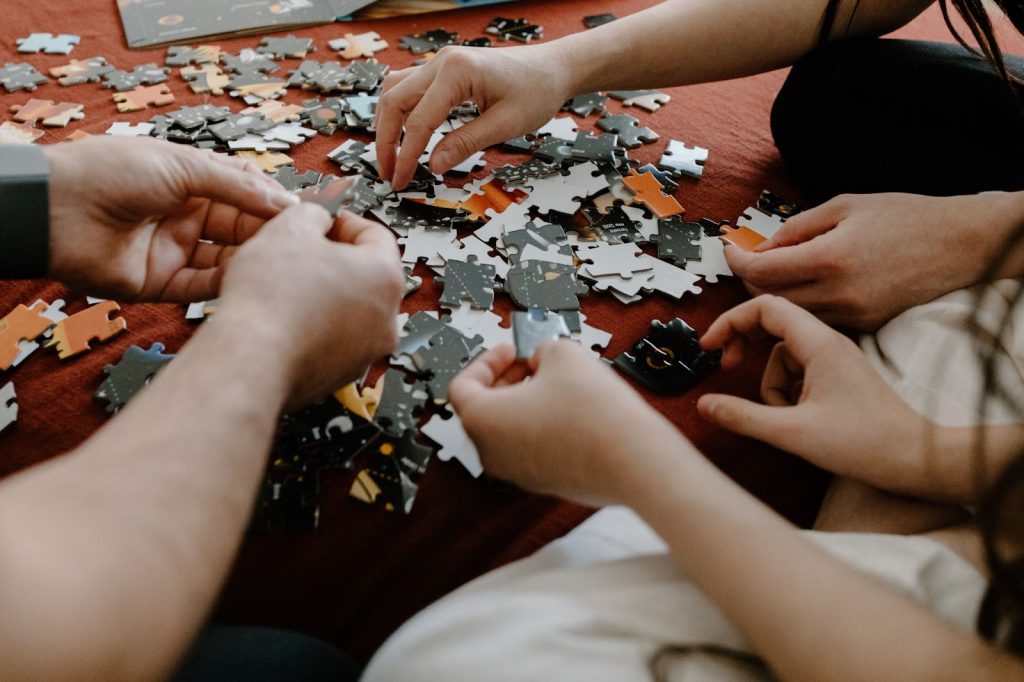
{"type": "Point", "coordinates": [261, 335]}
{"type": "Point", "coordinates": [639, 460]}
{"type": "Point", "coordinates": [998, 216]}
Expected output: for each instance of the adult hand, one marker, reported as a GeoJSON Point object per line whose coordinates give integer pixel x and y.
{"type": "Point", "coordinates": [139, 218]}
{"type": "Point", "coordinates": [860, 260]}
{"type": "Point", "coordinates": [823, 400]}
{"type": "Point", "coordinates": [517, 90]}
{"type": "Point", "coordinates": [329, 289]}
{"type": "Point", "coordinates": [549, 434]}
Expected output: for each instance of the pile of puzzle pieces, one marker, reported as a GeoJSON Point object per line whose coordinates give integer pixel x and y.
{"type": "Point", "coordinates": [578, 216]}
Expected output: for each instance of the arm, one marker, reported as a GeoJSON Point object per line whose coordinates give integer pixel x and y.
{"type": "Point", "coordinates": [678, 42]}
{"type": "Point", "coordinates": [774, 585]}
{"type": "Point", "coordinates": [111, 556]}
{"type": "Point", "coordinates": [696, 40]}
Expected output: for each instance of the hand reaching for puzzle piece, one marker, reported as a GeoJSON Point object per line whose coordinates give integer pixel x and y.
{"type": "Point", "coordinates": [516, 90]}
{"type": "Point", "coordinates": [141, 219]}
{"type": "Point", "coordinates": [860, 260]}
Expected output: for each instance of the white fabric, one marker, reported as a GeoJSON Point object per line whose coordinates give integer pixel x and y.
{"type": "Point", "coordinates": [596, 604]}
{"type": "Point", "coordinates": [931, 359]}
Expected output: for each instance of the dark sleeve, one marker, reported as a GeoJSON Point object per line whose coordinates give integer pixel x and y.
{"type": "Point", "coordinates": [24, 212]}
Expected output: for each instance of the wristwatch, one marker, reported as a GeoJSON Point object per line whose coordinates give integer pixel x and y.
{"type": "Point", "coordinates": [24, 212]}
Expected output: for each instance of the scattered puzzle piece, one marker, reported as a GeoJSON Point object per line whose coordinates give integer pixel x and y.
{"type": "Point", "coordinates": [206, 78]}
{"type": "Point", "coordinates": [268, 161]}
{"type": "Point", "coordinates": [15, 133]}
{"type": "Point", "coordinates": [143, 97]}
{"type": "Point", "coordinates": [77, 72]}
{"type": "Point", "coordinates": [72, 335]}
{"type": "Point", "coordinates": [360, 45]}
{"type": "Point", "coordinates": [682, 160]}
{"type": "Point", "coordinates": [628, 128]}
{"type": "Point", "coordinates": [50, 114]}
{"type": "Point", "coordinates": [21, 324]}
{"type": "Point", "coordinates": [669, 359]}
{"type": "Point", "coordinates": [648, 191]}
{"type": "Point", "coordinates": [290, 46]}
{"type": "Point", "coordinates": [183, 55]}
{"type": "Point", "coordinates": [469, 281]}
{"type": "Point", "coordinates": [651, 100]}
{"type": "Point", "coordinates": [129, 376]}
{"type": "Point", "coordinates": [8, 406]}
{"type": "Point", "coordinates": [455, 443]}
{"type": "Point", "coordinates": [48, 43]}
{"type": "Point", "coordinates": [22, 76]}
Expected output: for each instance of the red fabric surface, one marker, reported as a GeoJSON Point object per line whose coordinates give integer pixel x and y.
{"type": "Point", "coordinates": [365, 571]}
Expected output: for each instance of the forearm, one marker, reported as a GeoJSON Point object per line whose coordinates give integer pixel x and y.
{"type": "Point", "coordinates": [111, 556]}
{"type": "Point", "coordinates": [681, 42]}
{"type": "Point", "coordinates": [807, 614]}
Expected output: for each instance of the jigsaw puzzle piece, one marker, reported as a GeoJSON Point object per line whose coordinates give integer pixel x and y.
{"type": "Point", "coordinates": [669, 359]}
{"type": "Point", "coordinates": [682, 160]}
{"type": "Point", "coordinates": [533, 328]}
{"type": "Point", "coordinates": [8, 405]}
{"type": "Point", "coordinates": [143, 97]}
{"type": "Point", "coordinates": [743, 237]}
{"type": "Point", "coordinates": [48, 43]}
{"type": "Point", "coordinates": [648, 191]}
{"type": "Point", "coordinates": [20, 325]}
{"type": "Point", "coordinates": [129, 376]}
{"type": "Point", "coordinates": [763, 224]}
{"type": "Point", "coordinates": [72, 335]}
{"type": "Point", "coordinates": [455, 443]}
{"type": "Point", "coordinates": [712, 263]}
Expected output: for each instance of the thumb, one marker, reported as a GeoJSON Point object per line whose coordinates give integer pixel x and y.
{"type": "Point", "coordinates": [304, 217]}
{"type": "Point", "coordinates": [493, 126]}
{"type": "Point", "coordinates": [804, 226]}
{"type": "Point", "coordinates": [747, 418]}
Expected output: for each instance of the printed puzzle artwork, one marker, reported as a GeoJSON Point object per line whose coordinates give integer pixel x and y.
{"type": "Point", "coordinates": [575, 219]}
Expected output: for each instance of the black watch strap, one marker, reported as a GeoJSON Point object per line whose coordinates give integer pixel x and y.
{"type": "Point", "coordinates": [24, 212]}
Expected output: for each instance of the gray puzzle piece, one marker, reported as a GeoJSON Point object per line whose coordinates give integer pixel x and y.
{"type": "Point", "coordinates": [542, 237]}
{"type": "Point", "coordinates": [21, 76]}
{"type": "Point", "coordinates": [678, 241]}
{"type": "Point", "coordinates": [628, 128]}
{"type": "Point", "coordinates": [398, 403]}
{"type": "Point", "coordinates": [48, 43]}
{"type": "Point", "coordinates": [144, 74]}
{"type": "Point", "coordinates": [584, 105]}
{"type": "Point", "coordinates": [470, 281]}
{"type": "Point", "coordinates": [129, 376]}
{"type": "Point", "coordinates": [8, 406]}
{"type": "Point", "coordinates": [289, 46]}
{"type": "Point", "coordinates": [540, 284]}
{"type": "Point", "coordinates": [534, 327]}
{"type": "Point", "coordinates": [448, 354]}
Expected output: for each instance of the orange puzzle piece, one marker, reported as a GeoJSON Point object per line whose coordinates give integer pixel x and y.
{"type": "Point", "coordinates": [648, 191]}
{"type": "Point", "coordinates": [493, 195]}
{"type": "Point", "coordinates": [363, 404]}
{"type": "Point", "coordinates": [21, 324]}
{"type": "Point", "coordinates": [143, 97]}
{"type": "Point", "coordinates": [71, 336]}
{"type": "Point", "coordinates": [49, 113]}
{"type": "Point", "coordinates": [743, 237]}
